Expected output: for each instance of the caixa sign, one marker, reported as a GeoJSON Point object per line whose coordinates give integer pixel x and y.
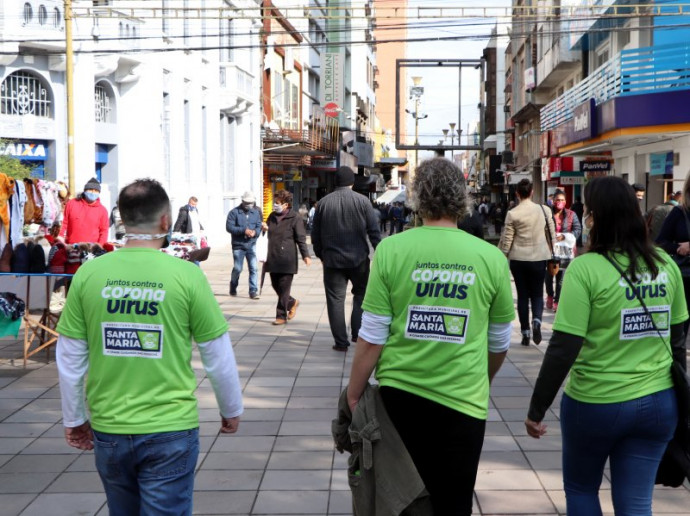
{"type": "Point", "coordinates": [25, 150]}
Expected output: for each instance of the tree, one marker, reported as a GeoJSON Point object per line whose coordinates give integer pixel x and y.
{"type": "Point", "coordinates": [13, 167]}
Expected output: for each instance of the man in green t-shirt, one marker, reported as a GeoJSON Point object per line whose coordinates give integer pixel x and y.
{"type": "Point", "coordinates": [128, 322]}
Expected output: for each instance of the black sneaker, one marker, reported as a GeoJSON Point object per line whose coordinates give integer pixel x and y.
{"type": "Point", "coordinates": [254, 295]}
{"type": "Point", "coordinates": [525, 340]}
{"type": "Point", "coordinates": [341, 348]}
{"type": "Point", "coordinates": [536, 332]}
{"type": "Point", "coordinates": [233, 293]}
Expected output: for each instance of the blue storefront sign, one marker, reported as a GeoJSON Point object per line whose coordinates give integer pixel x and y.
{"type": "Point", "coordinates": [661, 164]}
{"type": "Point", "coordinates": [584, 121]}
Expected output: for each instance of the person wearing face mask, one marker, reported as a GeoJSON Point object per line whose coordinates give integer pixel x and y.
{"type": "Point", "coordinates": [244, 224]}
{"type": "Point", "coordinates": [85, 218]}
{"type": "Point", "coordinates": [286, 233]}
{"type": "Point", "coordinates": [568, 230]}
{"type": "Point", "coordinates": [188, 218]}
{"type": "Point", "coordinates": [127, 335]}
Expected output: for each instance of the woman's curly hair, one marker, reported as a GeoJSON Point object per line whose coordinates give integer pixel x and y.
{"type": "Point", "coordinates": [283, 197]}
{"type": "Point", "coordinates": [438, 190]}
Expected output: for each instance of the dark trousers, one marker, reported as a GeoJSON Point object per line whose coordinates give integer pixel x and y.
{"type": "Point", "coordinates": [529, 283]}
{"type": "Point", "coordinates": [335, 283]}
{"type": "Point", "coordinates": [445, 449]}
{"type": "Point", "coordinates": [559, 283]}
{"type": "Point", "coordinates": [686, 288]}
{"type": "Point", "coordinates": [282, 284]}
{"type": "Point", "coordinates": [382, 225]}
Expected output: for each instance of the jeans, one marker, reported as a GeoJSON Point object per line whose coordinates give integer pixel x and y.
{"type": "Point", "coordinates": [559, 283]}
{"type": "Point", "coordinates": [632, 435]}
{"type": "Point", "coordinates": [529, 283]}
{"type": "Point", "coordinates": [445, 449]}
{"type": "Point", "coordinates": [238, 256]}
{"type": "Point", "coordinates": [148, 474]}
{"type": "Point", "coordinates": [335, 283]}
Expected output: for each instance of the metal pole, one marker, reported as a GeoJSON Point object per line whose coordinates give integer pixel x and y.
{"type": "Point", "coordinates": [69, 83]}
{"type": "Point", "coordinates": [416, 131]}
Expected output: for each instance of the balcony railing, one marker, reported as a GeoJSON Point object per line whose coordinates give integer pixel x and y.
{"type": "Point", "coordinates": [631, 72]}
{"type": "Point", "coordinates": [235, 78]}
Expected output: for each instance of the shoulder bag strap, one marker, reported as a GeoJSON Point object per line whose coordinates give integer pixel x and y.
{"type": "Point", "coordinates": [641, 301]}
{"type": "Point", "coordinates": [548, 232]}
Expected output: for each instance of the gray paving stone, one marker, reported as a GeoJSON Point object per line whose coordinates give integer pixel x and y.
{"type": "Point", "coordinates": [14, 504]}
{"type": "Point", "coordinates": [33, 482]}
{"type": "Point", "coordinates": [302, 480]}
{"type": "Point", "coordinates": [223, 502]}
{"type": "Point", "coordinates": [291, 502]}
{"type": "Point", "coordinates": [306, 427]}
{"type": "Point", "coordinates": [23, 429]}
{"type": "Point", "coordinates": [66, 504]}
{"type": "Point", "coordinates": [227, 480]}
{"type": "Point", "coordinates": [515, 502]}
{"type": "Point", "coordinates": [231, 443]}
{"type": "Point", "coordinates": [34, 463]}
{"type": "Point", "coordinates": [236, 460]}
{"type": "Point", "coordinates": [300, 460]}
{"type": "Point", "coordinates": [303, 443]}
{"type": "Point", "coordinates": [13, 445]}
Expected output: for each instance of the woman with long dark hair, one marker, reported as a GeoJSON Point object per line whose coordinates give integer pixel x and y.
{"type": "Point", "coordinates": [619, 403]}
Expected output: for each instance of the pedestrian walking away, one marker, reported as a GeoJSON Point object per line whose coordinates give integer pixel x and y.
{"type": "Point", "coordinates": [345, 224]}
{"type": "Point", "coordinates": [127, 331]}
{"type": "Point", "coordinates": [436, 327]}
{"type": "Point", "coordinates": [286, 234]}
{"type": "Point", "coordinates": [524, 241]}
{"type": "Point", "coordinates": [244, 223]}
{"type": "Point", "coordinates": [619, 405]}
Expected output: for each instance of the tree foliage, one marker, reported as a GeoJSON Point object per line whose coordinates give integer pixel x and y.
{"type": "Point", "coordinates": [13, 167]}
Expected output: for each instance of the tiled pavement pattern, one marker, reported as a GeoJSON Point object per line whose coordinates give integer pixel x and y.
{"type": "Point", "coordinates": [282, 461]}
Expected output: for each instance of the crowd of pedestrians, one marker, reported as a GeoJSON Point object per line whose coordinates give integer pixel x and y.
{"type": "Point", "coordinates": [432, 316]}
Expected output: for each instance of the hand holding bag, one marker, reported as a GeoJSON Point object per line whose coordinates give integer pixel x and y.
{"type": "Point", "coordinates": [554, 264]}
{"type": "Point", "coordinates": [675, 464]}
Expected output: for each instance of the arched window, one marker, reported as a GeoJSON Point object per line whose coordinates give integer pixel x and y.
{"type": "Point", "coordinates": [57, 18]}
{"type": "Point", "coordinates": [23, 93]}
{"type": "Point", "coordinates": [28, 13]}
{"type": "Point", "coordinates": [103, 102]}
{"type": "Point", "coordinates": [42, 15]}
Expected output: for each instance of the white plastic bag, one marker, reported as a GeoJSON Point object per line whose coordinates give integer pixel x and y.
{"type": "Point", "coordinates": [262, 247]}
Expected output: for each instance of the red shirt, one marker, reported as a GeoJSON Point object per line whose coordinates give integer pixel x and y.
{"type": "Point", "coordinates": [84, 222]}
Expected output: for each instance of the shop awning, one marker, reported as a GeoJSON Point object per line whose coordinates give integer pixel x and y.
{"type": "Point", "coordinates": [392, 196]}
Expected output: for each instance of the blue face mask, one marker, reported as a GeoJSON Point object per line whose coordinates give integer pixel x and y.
{"type": "Point", "coordinates": [91, 196]}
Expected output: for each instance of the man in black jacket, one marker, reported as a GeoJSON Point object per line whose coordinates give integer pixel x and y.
{"type": "Point", "coordinates": [188, 218]}
{"type": "Point", "coordinates": [342, 222]}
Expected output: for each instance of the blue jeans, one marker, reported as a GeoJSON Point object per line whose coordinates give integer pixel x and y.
{"type": "Point", "coordinates": [632, 435]}
{"type": "Point", "coordinates": [238, 256]}
{"type": "Point", "coordinates": [148, 474]}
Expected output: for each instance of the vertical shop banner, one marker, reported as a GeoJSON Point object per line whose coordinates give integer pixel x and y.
{"type": "Point", "coordinates": [332, 77]}
{"type": "Point", "coordinates": [661, 164]}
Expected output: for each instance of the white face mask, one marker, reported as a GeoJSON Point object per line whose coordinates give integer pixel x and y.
{"type": "Point", "coordinates": [278, 208]}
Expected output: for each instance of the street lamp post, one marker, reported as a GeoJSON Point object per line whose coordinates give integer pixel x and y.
{"type": "Point", "coordinates": [416, 92]}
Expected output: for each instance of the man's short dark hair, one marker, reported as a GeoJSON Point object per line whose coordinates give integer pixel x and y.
{"type": "Point", "coordinates": [142, 202]}
{"type": "Point", "coordinates": [524, 188]}
{"type": "Point", "coordinates": [638, 187]}
{"type": "Point", "coordinates": [193, 199]}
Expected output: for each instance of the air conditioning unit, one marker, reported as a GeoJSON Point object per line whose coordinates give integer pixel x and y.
{"type": "Point", "coordinates": [507, 157]}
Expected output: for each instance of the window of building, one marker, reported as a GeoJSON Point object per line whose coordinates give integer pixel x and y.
{"type": "Point", "coordinates": [601, 54]}
{"type": "Point", "coordinates": [623, 36]}
{"type": "Point", "coordinates": [57, 18]}
{"type": "Point", "coordinates": [102, 103]}
{"type": "Point", "coordinates": [23, 93]}
{"type": "Point", "coordinates": [28, 13]}
{"type": "Point", "coordinates": [42, 15]}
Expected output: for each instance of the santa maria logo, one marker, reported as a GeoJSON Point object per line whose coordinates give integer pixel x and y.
{"type": "Point", "coordinates": [132, 340]}
{"type": "Point", "coordinates": [437, 323]}
{"type": "Point", "coordinates": [635, 323]}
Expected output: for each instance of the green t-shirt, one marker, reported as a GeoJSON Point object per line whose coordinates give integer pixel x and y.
{"type": "Point", "coordinates": [139, 309]}
{"type": "Point", "coordinates": [622, 357]}
{"type": "Point", "coordinates": [442, 287]}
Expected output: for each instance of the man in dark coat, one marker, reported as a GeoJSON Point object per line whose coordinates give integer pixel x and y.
{"type": "Point", "coordinates": [342, 223]}
{"type": "Point", "coordinates": [188, 218]}
{"type": "Point", "coordinates": [244, 224]}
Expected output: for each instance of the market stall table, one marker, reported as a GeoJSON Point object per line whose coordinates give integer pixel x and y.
{"type": "Point", "coordinates": [39, 331]}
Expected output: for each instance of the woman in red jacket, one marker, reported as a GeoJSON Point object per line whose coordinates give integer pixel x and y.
{"type": "Point", "coordinates": [86, 219]}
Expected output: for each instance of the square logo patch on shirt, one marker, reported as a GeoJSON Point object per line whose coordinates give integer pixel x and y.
{"type": "Point", "coordinates": [132, 339]}
{"type": "Point", "coordinates": [635, 323]}
{"type": "Point", "coordinates": [437, 323]}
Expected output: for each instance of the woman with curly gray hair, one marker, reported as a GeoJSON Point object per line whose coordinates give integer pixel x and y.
{"type": "Point", "coordinates": [436, 326]}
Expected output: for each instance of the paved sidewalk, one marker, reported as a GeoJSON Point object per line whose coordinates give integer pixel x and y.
{"type": "Point", "coordinates": [282, 460]}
